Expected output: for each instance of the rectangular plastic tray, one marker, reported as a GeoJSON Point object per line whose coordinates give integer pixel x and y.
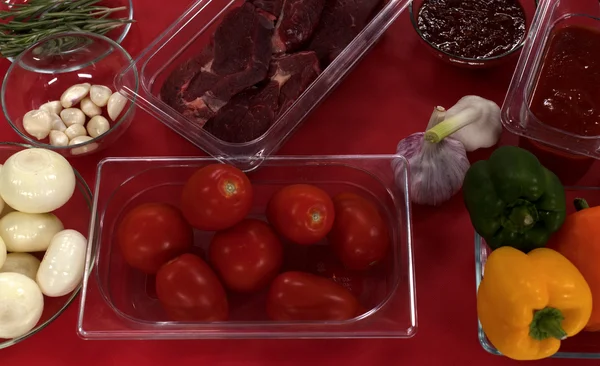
{"type": "Point", "coordinates": [584, 344]}
{"type": "Point", "coordinates": [517, 116]}
{"type": "Point", "coordinates": [191, 32]}
{"type": "Point", "coordinates": [118, 302]}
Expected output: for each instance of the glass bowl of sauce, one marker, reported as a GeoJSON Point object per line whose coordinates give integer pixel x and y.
{"type": "Point", "coordinates": [554, 97]}
{"type": "Point", "coordinates": [472, 33]}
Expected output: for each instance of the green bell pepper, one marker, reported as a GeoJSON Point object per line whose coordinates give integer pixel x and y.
{"type": "Point", "coordinates": [513, 200]}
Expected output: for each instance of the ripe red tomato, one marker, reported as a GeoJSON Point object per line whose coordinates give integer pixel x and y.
{"type": "Point", "coordinates": [323, 263]}
{"type": "Point", "coordinates": [359, 236]}
{"type": "Point", "coordinates": [301, 213]}
{"type": "Point", "coordinates": [190, 291]}
{"type": "Point", "coordinates": [216, 197]}
{"type": "Point", "coordinates": [305, 296]}
{"type": "Point", "coordinates": [152, 234]}
{"type": "Point", "coordinates": [246, 256]}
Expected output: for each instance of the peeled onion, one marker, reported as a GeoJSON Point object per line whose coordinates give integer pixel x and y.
{"type": "Point", "coordinates": [36, 181]}
{"type": "Point", "coordinates": [25, 232]}
{"type": "Point", "coordinates": [23, 263]}
{"type": "Point", "coordinates": [21, 304]}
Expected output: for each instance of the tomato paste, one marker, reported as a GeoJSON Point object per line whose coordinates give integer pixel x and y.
{"type": "Point", "coordinates": [567, 93]}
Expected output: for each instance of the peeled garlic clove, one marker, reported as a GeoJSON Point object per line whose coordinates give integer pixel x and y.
{"type": "Point", "coordinates": [74, 94]}
{"type": "Point", "coordinates": [99, 94]}
{"type": "Point", "coordinates": [115, 105]}
{"type": "Point", "coordinates": [52, 107]}
{"type": "Point", "coordinates": [97, 126]}
{"type": "Point", "coordinates": [72, 116]}
{"type": "Point", "coordinates": [59, 138]}
{"type": "Point", "coordinates": [37, 123]}
{"type": "Point", "coordinates": [75, 130]}
{"type": "Point", "coordinates": [89, 108]}
{"type": "Point", "coordinates": [82, 149]}
{"type": "Point", "coordinates": [57, 123]}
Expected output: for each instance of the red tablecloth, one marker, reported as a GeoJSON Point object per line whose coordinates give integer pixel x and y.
{"type": "Point", "coordinates": [388, 96]}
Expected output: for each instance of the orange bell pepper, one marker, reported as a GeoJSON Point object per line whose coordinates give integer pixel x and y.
{"type": "Point", "coordinates": [579, 241]}
{"type": "Point", "coordinates": [528, 303]}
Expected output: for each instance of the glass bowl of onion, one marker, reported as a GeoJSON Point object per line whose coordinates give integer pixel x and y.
{"type": "Point", "coordinates": [43, 244]}
{"type": "Point", "coordinates": [59, 94]}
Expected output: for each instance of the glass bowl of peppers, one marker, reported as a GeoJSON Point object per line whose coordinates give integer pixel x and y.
{"type": "Point", "coordinates": [535, 249]}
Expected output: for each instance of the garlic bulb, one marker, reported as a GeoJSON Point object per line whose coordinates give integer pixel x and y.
{"type": "Point", "coordinates": [473, 120]}
{"type": "Point", "coordinates": [437, 170]}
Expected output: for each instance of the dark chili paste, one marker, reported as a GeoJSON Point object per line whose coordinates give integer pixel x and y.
{"type": "Point", "coordinates": [567, 93]}
{"type": "Point", "coordinates": [472, 28]}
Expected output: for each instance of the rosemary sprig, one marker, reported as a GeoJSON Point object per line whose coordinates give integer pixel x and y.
{"type": "Point", "coordinates": [25, 24]}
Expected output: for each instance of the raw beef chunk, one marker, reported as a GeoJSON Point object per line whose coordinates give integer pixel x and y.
{"type": "Point", "coordinates": [299, 70]}
{"type": "Point", "coordinates": [272, 7]}
{"type": "Point", "coordinates": [238, 59]}
{"type": "Point", "coordinates": [249, 114]}
{"type": "Point", "coordinates": [296, 23]}
{"type": "Point", "coordinates": [340, 22]}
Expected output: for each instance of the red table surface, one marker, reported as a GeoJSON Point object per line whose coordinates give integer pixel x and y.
{"type": "Point", "coordinates": [388, 96]}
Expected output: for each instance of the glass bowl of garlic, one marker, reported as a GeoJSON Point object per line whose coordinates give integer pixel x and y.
{"type": "Point", "coordinates": [59, 94]}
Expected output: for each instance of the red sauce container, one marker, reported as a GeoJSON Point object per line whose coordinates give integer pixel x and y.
{"type": "Point", "coordinates": [553, 102]}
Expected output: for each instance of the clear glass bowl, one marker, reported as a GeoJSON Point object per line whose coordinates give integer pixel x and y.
{"type": "Point", "coordinates": [117, 35]}
{"type": "Point", "coordinates": [584, 344]}
{"type": "Point", "coordinates": [529, 6]}
{"type": "Point", "coordinates": [517, 116]}
{"type": "Point", "coordinates": [45, 70]}
{"type": "Point", "coordinates": [120, 303]}
{"type": "Point", "coordinates": [191, 32]}
{"type": "Point", "coordinates": [75, 214]}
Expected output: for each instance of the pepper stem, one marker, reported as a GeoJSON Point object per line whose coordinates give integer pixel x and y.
{"type": "Point", "coordinates": [451, 125]}
{"type": "Point", "coordinates": [547, 323]}
{"type": "Point", "coordinates": [580, 204]}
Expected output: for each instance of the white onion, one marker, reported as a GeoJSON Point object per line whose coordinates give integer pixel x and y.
{"type": "Point", "coordinates": [21, 304]}
{"type": "Point", "coordinates": [2, 252]}
{"type": "Point", "coordinates": [61, 270]}
{"type": "Point", "coordinates": [25, 232]}
{"type": "Point", "coordinates": [23, 263]}
{"type": "Point", "coordinates": [36, 181]}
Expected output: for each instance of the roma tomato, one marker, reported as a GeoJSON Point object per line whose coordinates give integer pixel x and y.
{"type": "Point", "coordinates": [301, 213]}
{"type": "Point", "coordinates": [359, 236]}
{"type": "Point", "coordinates": [152, 234]}
{"type": "Point", "coordinates": [246, 256]}
{"type": "Point", "coordinates": [305, 296]}
{"type": "Point", "coordinates": [322, 262]}
{"type": "Point", "coordinates": [189, 290]}
{"type": "Point", "coordinates": [216, 197]}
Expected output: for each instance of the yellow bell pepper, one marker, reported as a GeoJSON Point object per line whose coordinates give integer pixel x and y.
{"type": "Point", "coordinates": [528, 303]}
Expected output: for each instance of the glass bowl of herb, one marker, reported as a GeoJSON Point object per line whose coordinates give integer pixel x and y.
{"type": "Point", "coordinates": [58, 94]}
{"type": "Point", "coordinates": [25, 22]}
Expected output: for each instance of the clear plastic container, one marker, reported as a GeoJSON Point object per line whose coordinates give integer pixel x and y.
{"type": "Point", "coordinates": [517, 116]}
{"type": "Point", "coordinates": [191, 32]}
{"type": "Point", "coordinates": [118, 302]}
{"type": "Point", "coordinates": [584, 344]}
